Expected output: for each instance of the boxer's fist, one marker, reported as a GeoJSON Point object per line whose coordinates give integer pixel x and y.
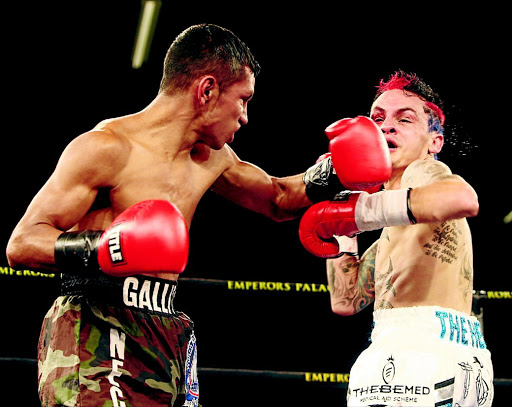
{"type": "Point", "coordinates": [349, 214]}
{"type": "Point", "coordinates": [148, 237]}
{"type": "Point", "coordinates": [322, 221]}
{"type": "Point", "coordinates": [360, 154]}
{"type": "Point", "coordinates": [321, 181]}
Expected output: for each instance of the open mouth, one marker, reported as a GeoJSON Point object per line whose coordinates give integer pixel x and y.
{"type": "Point", "coordinates": [391, 145]}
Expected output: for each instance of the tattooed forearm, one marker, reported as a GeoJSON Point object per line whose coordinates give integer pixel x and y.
{"type": "Point", "coordinates": [351, 282]}
{"type": "Point", "coordinates": [342, 281]}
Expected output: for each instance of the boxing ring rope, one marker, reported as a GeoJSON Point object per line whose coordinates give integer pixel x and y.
{"type": "Point", "coordinates": [314, 378]}
{"type": "Point", "coordinates": [256, 285]}
{"type": "Point", "coordinates": [339, 380]}
{"type": "Point", "coordinates": [252, 285]}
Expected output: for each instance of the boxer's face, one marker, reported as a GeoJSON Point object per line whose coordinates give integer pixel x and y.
{"type": "Point", "coordinates": [229, 111]}
{"type": "Point", "coordinates": [402, 118]}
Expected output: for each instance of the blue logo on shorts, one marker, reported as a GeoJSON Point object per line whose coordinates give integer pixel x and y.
{"type": "Point", "coordinates": [461, 330]}
{"type": "Point", "coordinates": [191, 381]}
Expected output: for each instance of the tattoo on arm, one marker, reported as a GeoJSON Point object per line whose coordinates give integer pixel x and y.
{"type": "Point", "coordinates": [351, 281]}
{"type": "Point", "coordinates": [425, 172]}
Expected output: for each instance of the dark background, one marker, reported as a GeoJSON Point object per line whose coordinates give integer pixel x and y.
{"type": "Point", "coordinates": [67, 66]}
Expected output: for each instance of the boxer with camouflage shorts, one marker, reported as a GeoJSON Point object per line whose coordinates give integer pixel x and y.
{"type": "Point", "coordinates": [115, 215]}
{"type": "Point", "coordinates": [115, 335]}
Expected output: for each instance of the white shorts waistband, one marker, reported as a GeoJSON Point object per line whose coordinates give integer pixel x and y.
{"type": "Point", "coordinates": [430, 322]}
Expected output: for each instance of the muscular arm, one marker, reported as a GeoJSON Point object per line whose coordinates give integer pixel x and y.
{"type": "Point", "coordinates": [85, 165]}
{"type": "Point", "coordinates": [437, 194]}
{"type": "Point", "coordinates": [251, 187]}
{"type": "Point", "coordinates": [351, 281]}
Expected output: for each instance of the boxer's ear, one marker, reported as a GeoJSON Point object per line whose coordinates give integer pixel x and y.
{"type": "Point", "coordinates": [207, 89]}
{"type": "Point", "coordinates": [436, 143]}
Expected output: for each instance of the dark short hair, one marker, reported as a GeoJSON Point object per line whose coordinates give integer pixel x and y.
{"type": "Point", "coordinates": [206, 49]}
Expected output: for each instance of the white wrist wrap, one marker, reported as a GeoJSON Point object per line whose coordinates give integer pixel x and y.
{"type": "Point", "coordinates": [385, 208]}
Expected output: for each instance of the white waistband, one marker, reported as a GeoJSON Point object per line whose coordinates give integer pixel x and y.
{"type": "Point", "coordinates": [430, 322]}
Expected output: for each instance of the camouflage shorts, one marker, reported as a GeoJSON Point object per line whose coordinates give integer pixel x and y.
{"type": "Point", "coordinates": [138, 353]}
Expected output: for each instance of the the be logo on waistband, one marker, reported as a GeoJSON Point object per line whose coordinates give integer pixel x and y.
{"type": "Point", "coordinates": [461, 329]}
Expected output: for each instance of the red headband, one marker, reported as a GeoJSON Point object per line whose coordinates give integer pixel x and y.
{"type": "Point", "coordinates": [437, 110]}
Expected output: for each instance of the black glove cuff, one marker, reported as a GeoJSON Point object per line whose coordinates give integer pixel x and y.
{"type": "Point", "coordinates": [321, 181]}
{"type": "Point", "coordinates": [77, 251]}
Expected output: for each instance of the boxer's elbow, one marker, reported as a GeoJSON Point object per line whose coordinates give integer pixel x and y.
{"type": "Point", "coordinates": [462, 204]}
{"type": "Point", "coordinates": [470, 205]}
{"type": "Point", "coordinates": [19, 251]}
{"type": "Point", "coordinates": [446, 201]}
{"type": "Point", "coordinates": [14, 252]}
{"type": "Point", "coordinates": [340, 308]}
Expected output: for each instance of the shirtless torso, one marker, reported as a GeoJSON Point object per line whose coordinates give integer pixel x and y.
{"type": "Point", "coordinates": [429, 263]}
{"type": "Point", "coordinates": [409, 265]}
{"type": "Point", "coordinates": [418, 265]}
{"type": "Point", "coordinates": [167, 151]}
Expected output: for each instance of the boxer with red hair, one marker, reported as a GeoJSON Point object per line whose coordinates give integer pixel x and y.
{"type": "Point", "coordinates": [426, 349]}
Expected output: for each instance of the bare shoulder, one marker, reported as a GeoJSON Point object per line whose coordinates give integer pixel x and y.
{"type": "Point", "coordinates": [228, 162]}
{"type": "Point", "coordinates": [227, 155]}
{"type": "Point", "coordinates": [100, 153]}
{"type": "Point", "coordinates": [106, 138]}
{"type": "Point", "coordinates": [423, 172]}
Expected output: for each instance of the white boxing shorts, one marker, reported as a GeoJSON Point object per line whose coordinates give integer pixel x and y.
{"type": "Point", "coordinates": [423, 356]}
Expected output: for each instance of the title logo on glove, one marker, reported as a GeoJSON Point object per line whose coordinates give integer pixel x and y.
{"type": "Point", "coordinates": [114, 244]}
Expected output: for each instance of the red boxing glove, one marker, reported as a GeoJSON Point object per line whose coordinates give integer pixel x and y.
{"type": "Point", "coordinates": [360, 154]}
{"type": "Point", "coordinates": [150, 236]}
{"type": "Point", "coordinates": [322, 221]}
{"type": "Point", "coordinates": [349, 214]}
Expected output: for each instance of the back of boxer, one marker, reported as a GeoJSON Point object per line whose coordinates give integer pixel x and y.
{"type": "Point", "coordinates": [426, 349]}
{"type": "Point", "coordinates": [113, 337]}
